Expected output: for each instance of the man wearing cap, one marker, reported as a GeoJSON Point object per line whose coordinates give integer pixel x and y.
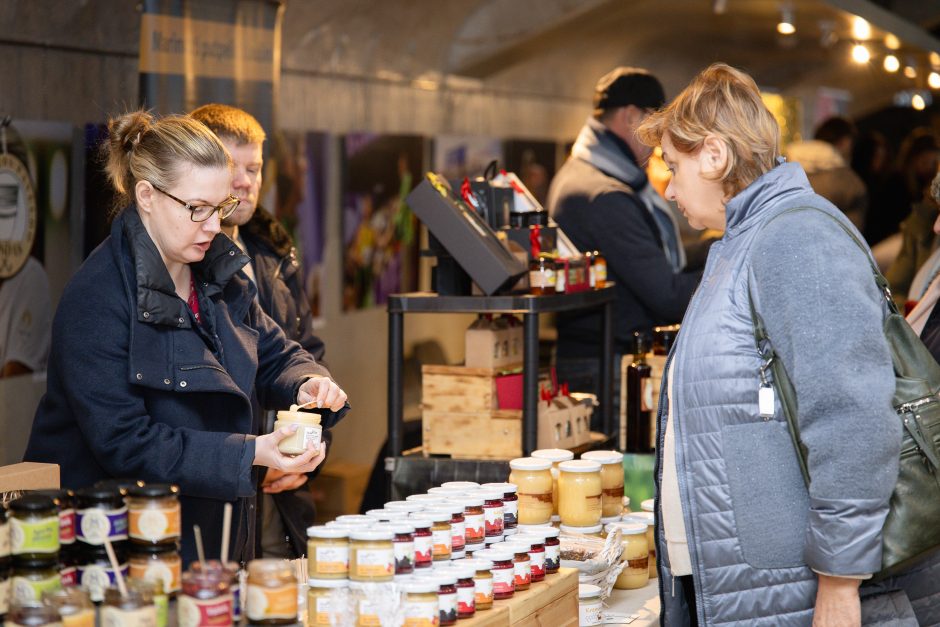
{"type": "Point", "coordinates": [602, 200]}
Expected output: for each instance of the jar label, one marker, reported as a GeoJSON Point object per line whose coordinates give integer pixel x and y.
{"type": "Point", "coordinates": [332, 559]}
{"type": "Point", "coordinates": [457, 535]}
{"type": "Point", "coordinates": [493, 521]}
{"type": "Point", "coordinates": [537, 563]}
{"type": "Point", "coordinates": [375, 562]}
{"type": "Point", "coordinates": [552, 556]}
{"type": "Point", "coordinates": [264, 603]}
{"type": "Point", "coordinates": [590, 613]}
{"type": "Point", "coordinates": [442, 542]}
{"type": "Point", "coordinates": [323, 611]}
{"type": "Point", "coordinates": [368, 614]}
{"type": "Point", "coordinates": [466, 600]}
{"type": "Point", "coordinates": [4, 595]}
{"type": "Point", "coordinates": [447, 603]}
{"type": "Point", "coordinates": [600, 272]}
{"type": "Point", "coordinates": [421, 614]}
{"type": "Point", "coordinates": [5, 539]}
{"type": "Point", "coordinates": [154, 525]}
{"type": "Point", "coordinates": [473, 528]}
{"type": "Point", "coordinates": [84, 618]}
{"type": "Point", "coordinates": [141, 617]}
{"type": "Point", "coordinates": [93, 525]}
{"type": "Point", "coordinates": [640, 563]}
{"type": "Point", "coordinates": [162, 604]}
{"type": "Point", "coordinates": [614, 493]}
{"type": "Point", "coordinates": [404, 557]}
{"type": "Point", "coordinates": [34, 536]}
{"type": "Point", "coordinates": [25, 590]}
{"type": "Point", "coordinates": [311, 435]}
{"type": "Point", "coordinates": [168, 571]}
{"type": "Point", "coordinates": [205, 612]}
{"type": "Point", "coordinates": [523, 573]}
{"type": "Point", "coordinates": [510, 512]}
{"type": "Point", "coordinates": [423, 549]}
{"type": "Point", "coordinates": [503, 580]}
{"type": "Point", "coordinates": [94, 579]}
{"type": "Point", "coordinates": [67, 526]}
{"type": "Point", "coordinates": [69, 576]}
{"type": "Point", "coordinates": [483, 591]}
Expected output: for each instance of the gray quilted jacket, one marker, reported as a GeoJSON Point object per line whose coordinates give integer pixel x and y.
{"type": "Point", "coordinates": [756, 534]}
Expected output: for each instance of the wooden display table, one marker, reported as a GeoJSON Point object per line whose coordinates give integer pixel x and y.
{"type": "Point", "coordinates": [551, 602]}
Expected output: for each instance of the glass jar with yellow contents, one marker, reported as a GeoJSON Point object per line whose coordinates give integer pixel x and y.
{"type": "Point", "coordinates": [611, 480]}
{"type": "Point", "coordinates": [579, 493]}
{"type": "Point", "coordinates": [635, 558]}
{"type": "Point", "coordinates": [326, 601]}
{"type": "Point", "coordinates": [535, 489]}
{"type": "Point", "coordinates": [372, 555]}
{"type": "Point", "coordinates": [648, 519]}
{"type": "Point", "coordinates": [420, 603]}
{"type": "Point", "coordinates": [73, 605]}
{"type": "Point", "coordinates": [271, 593]}
{"type": "Point", "coordinates": [327, 552]}
{"type": "Point", "coordinates": [555, 456]}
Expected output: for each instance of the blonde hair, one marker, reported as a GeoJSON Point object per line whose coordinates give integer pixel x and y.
{"type": "Point", "coordinates": [230, 123]}
{"type": "Point", "coordinates": [141, 147]}
{"type": "Point", "coordinates": [724, 102]}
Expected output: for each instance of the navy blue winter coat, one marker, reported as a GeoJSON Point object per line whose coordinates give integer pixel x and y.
{"type": "Point", "coordinates": [136, 388]}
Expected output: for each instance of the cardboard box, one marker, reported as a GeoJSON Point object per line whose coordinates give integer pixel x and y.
{"type": "Point", "coordinates": [29, 476]}
{"type": "Point", "coordinates": [494, 348]}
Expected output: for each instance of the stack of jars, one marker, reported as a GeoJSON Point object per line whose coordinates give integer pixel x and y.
{"type": "Point", "coordinates": [100, 513]}
{"type": "Point", "coordinates": [33, 527]}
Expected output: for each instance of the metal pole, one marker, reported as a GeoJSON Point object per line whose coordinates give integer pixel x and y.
{"type": "Point", "coordinates": [607, 362]}
{"type": "Point", "coordinates": [395, 382]}
{"type": "Point", "coordinates": [530, 383]}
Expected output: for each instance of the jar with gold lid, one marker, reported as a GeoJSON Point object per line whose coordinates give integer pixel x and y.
{"type": "Point", "coordinates": [327, 552]}
{"type": "Point", "coordinates": [535, 487]}
{"type": "Point", "coordinates": [611, 481]}
{"type": "Point", "coordinates": [325, 601]}
{"type": "Point", "coordinates": [271, 593]}
{"type": "Point", "coordinates": [579, 493]}
{"type": "Point", "coordinates": [153, 514]}
{"type": "Point", "coordinates": [371, 555]}
{"type": "Point", "coordinates": [555, 456]}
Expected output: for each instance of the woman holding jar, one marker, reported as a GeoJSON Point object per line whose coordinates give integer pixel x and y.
{"type": "Point", "coordinates": [161, 348]}
{"type": "Point", "coordinates": [741, 538]}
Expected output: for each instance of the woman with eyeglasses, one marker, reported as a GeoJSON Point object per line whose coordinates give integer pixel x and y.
{"type": "Point", "coordinates": [160, 348]}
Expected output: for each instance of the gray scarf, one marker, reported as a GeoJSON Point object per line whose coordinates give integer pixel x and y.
{"type": "Point", "coordinates": [596, 146]}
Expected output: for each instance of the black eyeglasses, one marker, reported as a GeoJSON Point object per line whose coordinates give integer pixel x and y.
{"type": "Point", "coordinates": [201, 213]}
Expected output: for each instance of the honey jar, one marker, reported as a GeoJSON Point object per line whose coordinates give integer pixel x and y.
{"type": "Point", "coordinates": [579, 493]}
{"type": "Point", "coordinates": [535, 488]}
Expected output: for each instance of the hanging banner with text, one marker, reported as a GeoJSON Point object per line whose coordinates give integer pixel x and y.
{"type": "Point", "coordinates": [194, 52]}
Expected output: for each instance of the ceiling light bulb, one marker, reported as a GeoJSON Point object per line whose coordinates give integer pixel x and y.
{"type": "Point", "coordinates": [861, 29]}
{"type": "Point", "coordinates": [786, 28]}
{"type": "Point", "coordinates": [933, 80]}
{"type": "Point", "coordinates": [892, 42]}
{"type": "Point", "coordinates": [917, 101]}
{"type": "Point", "coordinates": [860, 54]}
{"type": "Point", "coordinates": [892, 64]}
{"type": "Point", "coordinates": [910, 72]}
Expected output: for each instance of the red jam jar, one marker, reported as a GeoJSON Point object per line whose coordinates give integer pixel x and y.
{"type": "Point", "coordinates": [458, 530]}
{"type": "Point", "coordinates": [492, 512]}
{"type": "Point", "coordinates": [521, 563]}
{"type": "Point", "coordinates": [503, 570]}
{"type": "Point", "coordinates": [206, 600]}
{"type": "Point", "coordinates": [510, 504]}
{"type": "Point", "coordinates": [447, 596]}
{"type": "Point", "coordinates": [466, 590]}
{"type": "Point", "coordinates": [424, 542]}
{"type": "Point", "coordinates": [536, 554]}
{"type": "Point", "coordinates": [404, 545]}
{"type": "Point", "coordinates": [474, 529]}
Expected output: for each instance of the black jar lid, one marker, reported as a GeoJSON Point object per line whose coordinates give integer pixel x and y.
{"type": "Point", "coordinates": [62, 498]}
{"type": "Point", "coordinates": [98, 496]}
{"type": "Point", "coordinates": [89, 554]}
{"type": "Point", "coordinates": [122, 486]}
{"type": "Point", "coordinates": [43, 563]}
{"type": "Point", "coordinates": [154, 549]}
{"type": "Point", "coordinates": [154, 490]}
{"type": "Point", "coordinates": [33, 503]}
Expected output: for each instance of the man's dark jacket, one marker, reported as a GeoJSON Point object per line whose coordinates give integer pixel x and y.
{"type": "Point", "coordinates": [136, 388]}
{"type": "Point", "coordinates": [600, 212]}
{"type": "Point", "coordinates": [282, 296]}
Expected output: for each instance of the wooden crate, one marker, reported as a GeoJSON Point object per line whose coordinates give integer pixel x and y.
{"type": "Point", "coordinates": [549, 603]}
{"type": "Point", "coordinates": [457, 389]}
{"type": "Point", "coordinates": [493, 434]}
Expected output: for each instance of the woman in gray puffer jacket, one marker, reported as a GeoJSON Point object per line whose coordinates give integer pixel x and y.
{"type": "Point", "coordinates": [742, 540]}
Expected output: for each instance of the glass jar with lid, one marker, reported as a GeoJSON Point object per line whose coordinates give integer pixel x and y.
{"type": "Point", "coordinates": [579, 493]}
{"type": "Point", "coordinates": [157, 562]}
{"type": "Point", "coordinates": [590, 606]}
{"type": "Point", "coordinates": [510, 504]}
{"type": "Point", "coordinates": [95, 573]}
{"type": "Point", "coordinates": [100, 513]}
{"type": "Point", "coordinates": [64, 502]}
{"type": "Point", "coordinates": [590, 530]}
{"type": "Point", "coordinates": [403, 545]}
{"type": "Point", "coordinates": [153, 514]}
{"type": "Point", "coordinates": [466, 589]}
{"type": "Point", "coordinates": [535, 485]}
{"type": "Point", "coordinates": [404, 506]}
{"type": "Point", "coordinates": [371, 555]}
{"type": "Point", "coordinates": [228, 573]}
{"type": "Point", "coordinates": [555, 456]}
{"type": "Point", "coordinates": [441, 535]}
{"type": "Point", "coordinates": [327, 552]}
{"type": "Point", "coordinates": [492, 512]}
{"type": "Point", "coordinates": [307, 435]}
{"type": "Point", "coordinates": [271, 593]}
{"type": "Point", "coordinates": [424, 541]}
{"type": "Point", "coordinates": [503, 570]}
{"type": "Point", "coordinates": [34, 527]}
{"type": "Point", "coordinates": [522, 564]}
{"type": "Point", "coordinates": [31, 577]}
{"type": "Point", "coordinates": [420, 605]}
{"type": "Point", "coordinates": [365, 599]}
{"type": "Point", "coordinates": [206, 595]}
{"type": "Point", "coordinates": [425, 501]}
{"type": "Point", "coordinates": [474, 530]}
{"type": "Point", "coordinates": [458, 529]}
{"type": "Point", "coordinates": [326, 601]}
{"type": "Point", "coordinates": [461, 485]}
{"type": "Point", "coordinates": [536, 542]}
{"type": "Point", "coordinates": [648, 519]}
{"type": "Point", "coordinates": [635, 558]}
{"type": "Point", "coordinates": [446, 580]}
{"type": "Point", "coordinates": [73, 606]}
{"type": "Point", "coordinates": [161, 600]}
{"type": "Point", "coordinates": [482, 582]}
{"type": "Point", "coordinates": [33, 614]}
{"type": "Point", "coordinates": [134, 608]}
{"type": "Point", "coordinates": [611, 481]}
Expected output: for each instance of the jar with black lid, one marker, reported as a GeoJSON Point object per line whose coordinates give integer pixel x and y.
{"type": "Point", "coordinates": [157, 562]}
{"type": "Point", "coordinates": [153, 514]}
{"type": "Point", "coordinates": [121, 486]}
{"type": "Point", "coordinates": [100, 513]}
{"type": "Point", "coordinates": [64, 502]}
{"type": "Point", "coordinates": [31, 577]}
{"type": "Point", "coordinates": [34, 527]}
{"type": "Point", "coordinates": [95, 573]}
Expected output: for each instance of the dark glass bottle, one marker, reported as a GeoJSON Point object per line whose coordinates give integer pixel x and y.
{"type": "Point", "coordinates": [639, 401]}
